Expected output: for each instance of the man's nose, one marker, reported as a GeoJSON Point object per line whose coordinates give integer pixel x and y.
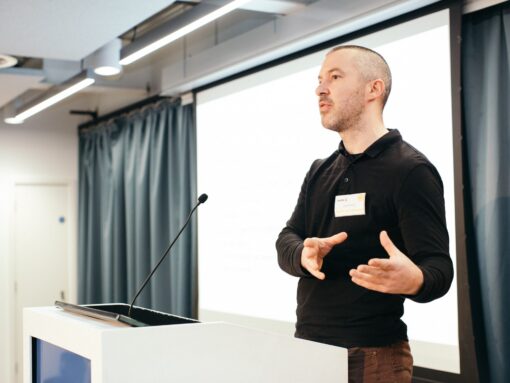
{"type": "Point", "coordinates": [321, 89]}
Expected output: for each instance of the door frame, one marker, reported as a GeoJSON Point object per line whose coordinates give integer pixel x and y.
{"type": "Point", "coordinates": [72, 252]}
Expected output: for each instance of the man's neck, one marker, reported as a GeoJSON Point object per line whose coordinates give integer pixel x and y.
{"type": "Point", "coordinates": [357, 139]}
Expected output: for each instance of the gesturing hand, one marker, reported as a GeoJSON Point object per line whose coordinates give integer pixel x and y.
{"type": "Point", "coordinates": [316, 249]}
{"type": "Point", "coordinates": [396, 275]}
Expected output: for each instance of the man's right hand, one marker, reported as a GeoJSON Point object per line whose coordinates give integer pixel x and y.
{"type": "Point", "coordinates": [316, 249]}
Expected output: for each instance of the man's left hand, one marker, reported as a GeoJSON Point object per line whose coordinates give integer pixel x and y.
{"type": "Point", "coordinates": [395, 275]}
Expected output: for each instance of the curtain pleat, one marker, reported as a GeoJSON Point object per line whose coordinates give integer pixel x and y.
{"type": "Point", "coordinates": [486, 84]}
{"type": "Point", "coordinates": [137, 185]}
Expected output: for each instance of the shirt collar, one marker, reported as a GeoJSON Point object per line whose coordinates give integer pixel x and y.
{"type": "Point", "coordinates": [393, 136]}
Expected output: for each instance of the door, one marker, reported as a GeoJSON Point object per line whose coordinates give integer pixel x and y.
{"type": "Point", "coordinates": [40, 252]}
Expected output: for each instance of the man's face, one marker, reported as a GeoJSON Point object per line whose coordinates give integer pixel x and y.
{"type": "Point", "coordinates": [340, 91]}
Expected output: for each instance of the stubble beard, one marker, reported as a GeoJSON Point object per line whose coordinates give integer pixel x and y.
{"type": "Point", "coordinates": [348, 117]}
{"type": "Point", "coordinates": [338, 123]}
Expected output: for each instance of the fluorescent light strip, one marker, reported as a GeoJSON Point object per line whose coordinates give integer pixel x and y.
{"type": "Point", "coordinates": [182, 32]}
{"type": "Point", "coordinates": [53, 100]}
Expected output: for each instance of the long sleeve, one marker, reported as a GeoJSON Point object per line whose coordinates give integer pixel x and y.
{"type": "Point", "coordinates": [421, 213]}
{"type": "Point", "coordinates": [404, 196]}
{"type": "Point", "coordinates": [289, 244]}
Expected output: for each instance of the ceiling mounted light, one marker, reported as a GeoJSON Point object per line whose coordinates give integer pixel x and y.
{"type": "Point", "coordinates": [7, 61]}
{"type": "Point", "coordinates": [190, 21]}
{"type": "Point", "coordinates": [13, 121]}
{"type": "Point", "coordinates": [105, 60]}
{"type": "Point", "coordinates": [51, 97]}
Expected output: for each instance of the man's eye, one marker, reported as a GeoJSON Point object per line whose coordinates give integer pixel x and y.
{"type": "Point", "coordinates": [335, 77]}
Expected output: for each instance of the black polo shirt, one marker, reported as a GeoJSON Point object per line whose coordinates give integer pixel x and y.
{"type": "Point", "coordinates": [404, 196]}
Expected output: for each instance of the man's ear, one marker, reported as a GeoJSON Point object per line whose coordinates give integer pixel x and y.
{"type": "Point", "coordinates": [375, 90]}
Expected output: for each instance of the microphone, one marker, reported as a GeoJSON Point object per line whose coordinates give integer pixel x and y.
{"type": "Point", "coordinates": [201, 200]}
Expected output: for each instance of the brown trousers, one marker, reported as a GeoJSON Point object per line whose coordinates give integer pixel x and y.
{"type": "Point", "coordinates": [389, 364]}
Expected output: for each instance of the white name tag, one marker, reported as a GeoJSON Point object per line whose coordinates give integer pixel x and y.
{"type": "Point", "coordinates": [350, 204]}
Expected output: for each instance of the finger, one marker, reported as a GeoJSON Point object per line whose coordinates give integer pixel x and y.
{"type": "Point", "coordinates": [317, 274]}
{"type": "Point", "coordinates": [384, 264]}
{"type": "Point", "coordinates": [388, 245]}
{"type": "Point", "coordinates": [370, 285]}
{"type": "Point", "coordinates": [371, 270]}
{"type": "Point", "coordinates": [367, 277]}
{"type": "Point", "coordinates": [314, 268]}
{"type": "Point", "coordinates": [311, 242]}
{"type": "Point", "coordinates": [336, 239]}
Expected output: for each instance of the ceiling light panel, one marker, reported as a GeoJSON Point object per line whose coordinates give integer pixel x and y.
{"type": "Point", "coordinates": [190, 21]}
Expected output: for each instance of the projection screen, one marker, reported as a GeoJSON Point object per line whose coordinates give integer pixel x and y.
{"type": "Point", "coordinates": [257, 137]}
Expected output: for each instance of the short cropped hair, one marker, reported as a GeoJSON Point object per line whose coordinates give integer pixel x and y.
{"type": "Point", "coordinates": [371, 66]}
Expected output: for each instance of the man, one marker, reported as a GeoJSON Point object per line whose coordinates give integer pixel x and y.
{"type": "Point", "coordinates": [369, 226]}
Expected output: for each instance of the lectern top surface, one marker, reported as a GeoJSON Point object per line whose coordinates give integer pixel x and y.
{"type": "Point", "coordinates": [118, 312]}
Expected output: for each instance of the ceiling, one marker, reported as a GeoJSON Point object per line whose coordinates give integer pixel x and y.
{"type": "Point", "coordinates": [52, 39]}
{"type": "Point", "coordinates": [58, 34]}
{"type": "Point", "coordinates": [68, 29]}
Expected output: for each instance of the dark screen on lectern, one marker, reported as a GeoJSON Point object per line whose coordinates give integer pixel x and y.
{"type": "Point", "coordinates": [52, 364]}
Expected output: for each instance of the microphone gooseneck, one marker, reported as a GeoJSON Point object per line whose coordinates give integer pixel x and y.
{"type": "Point", "coordinates": [201, 200]}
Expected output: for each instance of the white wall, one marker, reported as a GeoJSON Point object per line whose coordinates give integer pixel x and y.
{"type": "Point", "coordinates": [45, 147]}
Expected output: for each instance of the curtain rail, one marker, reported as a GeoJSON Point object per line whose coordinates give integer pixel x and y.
{"type": "Point", "coordinates": [127, 109]}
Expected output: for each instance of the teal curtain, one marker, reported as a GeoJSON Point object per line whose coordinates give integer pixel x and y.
{"type": "Point", "coordinates": [137, 184]}
{"type": "Point", "coordinates": [486, 88]}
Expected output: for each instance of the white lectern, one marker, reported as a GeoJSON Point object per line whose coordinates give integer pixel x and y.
{"type": "Point", "coordinates": [193, 352]}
